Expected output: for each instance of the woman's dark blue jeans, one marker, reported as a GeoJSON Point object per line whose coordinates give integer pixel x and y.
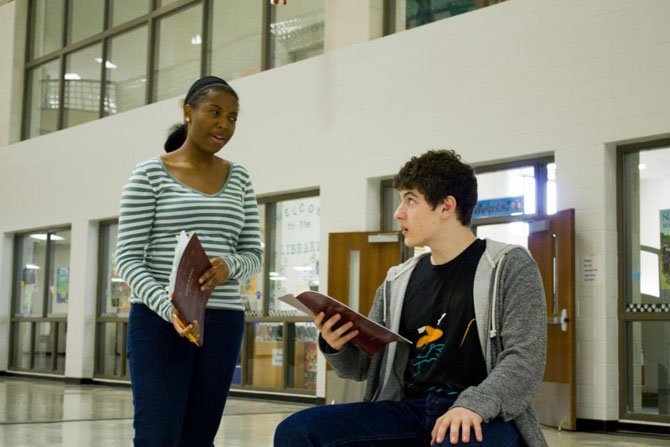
{"type": "Point", "coordinates": [179, 389]}
{"type": "Point", "coordinates": [406, 423]}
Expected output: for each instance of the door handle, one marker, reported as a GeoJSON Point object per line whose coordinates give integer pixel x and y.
{"type": "Point", "coordinates": [554, 273]}
{"type": "Point", "coordinates": [562, 319]}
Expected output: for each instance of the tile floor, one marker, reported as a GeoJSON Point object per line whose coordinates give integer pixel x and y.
{"type": "Point", "coordinates": [49, 413]}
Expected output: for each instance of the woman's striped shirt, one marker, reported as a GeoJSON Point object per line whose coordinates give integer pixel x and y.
{"type": "Point", "coordinates": [156, 207]}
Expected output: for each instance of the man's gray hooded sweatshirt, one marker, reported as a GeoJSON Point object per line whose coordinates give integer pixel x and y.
{"type": "Point", "coordinates": [511, 321]}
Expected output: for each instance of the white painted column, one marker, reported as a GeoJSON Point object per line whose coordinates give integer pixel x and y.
{"type": "Point", "coordinates": [80, 348]}
{"type": "Point", "coordinates": [594, 198]}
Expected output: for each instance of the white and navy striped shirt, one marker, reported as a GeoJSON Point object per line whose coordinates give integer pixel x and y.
{"type": "Point", "coordinates": [156, 207]}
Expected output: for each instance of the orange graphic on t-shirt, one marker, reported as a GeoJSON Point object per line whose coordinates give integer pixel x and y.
{"type": "Point", "coordinates": [432, 334]}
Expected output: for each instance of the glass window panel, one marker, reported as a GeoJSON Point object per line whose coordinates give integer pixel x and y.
{"type": "Point", "coordinates": [125, 10]}
{"type": "Point", "coordinates": [509, 183]}
{"type": "Point", "coordinates": [178, 58]}
{"type": "Point", "coordinates": [296, 31]}
{"type": "Point", "coordinates": [647, 181]}
{"type": "Point", "coordinates": [294, 261]}
{"type": "Point", "coordinates": [266, 358]}
{"type": "Point", "coordinates": [86, 19]}
{"type": "Point", "coordinates": [59, 281]}
{"type": "Point", "coordinates": [162, 3]}
{"type": "Point", "coordinates": [115, 293]}
{"type": "Point", "coordinates": [649, 271]}
{"type": "Point", "coordinates": [251, 290]}
{"type": "Point", "coordinates": [237, 28]}
{"type": "Point", "coordinates": [391, 200]}
{"type": "Point", "coordinates": [648, 367]}
{"type": "Point", "coordinates": [30, 270]}
{"type": "Point", "coordinates": [552, 191]}
{"type": "Point", "coordinates": [302, 369]}
{"type": "Point", "coordinates": [22, 339]}
{"type": "Point", "coordinates": [44, 99]}
{"type": "Point", "coordinates": [109, 350]}
{"type": "Point", "coordinates": [409, 14]}
{"type": "Point", "coordinates": [47, 27]}
{"type": "Point", "coordinates": [511, 233]}
{"type": "Point", "coordinates": [44, 345]}
{"type": "Point", "coordinates": [82, 86]}
{"type": "Point", "coordinates": [126, 71]}
{"type": "Point", "coordinates": [237, 374]}
{"type": "Point", "coordinates": [61, 329]}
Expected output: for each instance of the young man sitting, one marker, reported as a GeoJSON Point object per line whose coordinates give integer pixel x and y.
{"type": "Point", "coordinates": [474, 310]}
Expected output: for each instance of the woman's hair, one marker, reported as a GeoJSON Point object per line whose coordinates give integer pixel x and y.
{"type": "Point", "coordinates": [438, 174]}
{"type": "Point", "coordinates": [199, 89]}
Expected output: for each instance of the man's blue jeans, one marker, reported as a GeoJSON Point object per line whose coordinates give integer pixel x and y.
{"type": "Point", "coordinates": [179, 389]}
{"type": "Point", "coordinates": [406, 423]}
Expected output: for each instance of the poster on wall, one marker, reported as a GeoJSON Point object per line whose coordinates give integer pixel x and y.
{"type": "Point", "coordinates": [28, 280]}
{"type": "Point", "coordinates": [62, 284]}
{"type": "Point", "coordinates": [665, 253]}
{"type": "Point", "coordinates": [297, 262]}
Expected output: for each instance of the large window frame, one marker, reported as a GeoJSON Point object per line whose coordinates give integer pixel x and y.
{"type": "Point", "coordinates": [628, 314]}
{"type": "Point", "coordinates": [104, 319]}
{"type": "Point", "coordinates": [151, 21]}
{"type": "Point", "coordinates": [539, 165]}
{"type": "Point", "coordinates": [287, 322]}
{"type": "Point", "coordinates": [57, 322]}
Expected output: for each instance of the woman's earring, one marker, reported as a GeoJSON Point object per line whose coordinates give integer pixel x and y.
{"type": "Point", "coordinates": [188, 120]}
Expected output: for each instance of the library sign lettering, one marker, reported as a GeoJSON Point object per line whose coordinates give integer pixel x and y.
{"type": "Point", "coordinates": [299, 236]}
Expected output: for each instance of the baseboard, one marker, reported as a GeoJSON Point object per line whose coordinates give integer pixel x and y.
{"type": "Point", "coordinates": [37, 376]}
{"type": "Point", "coordinates": [597, 426]}
{"type": "Point", "coordinates": [79, 381]}
{"type": "Point", "coordinates": [30, 375]}
{"type": "Point", "coordinates": [277, 397]}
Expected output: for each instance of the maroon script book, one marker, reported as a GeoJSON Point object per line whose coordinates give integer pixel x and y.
{"type": "Point", "coordinates": [371, 336]}
{"type": "Point", "coordinates": [190, 263]}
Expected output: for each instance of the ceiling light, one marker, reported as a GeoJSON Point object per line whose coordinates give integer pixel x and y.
{"type": "Point", "coordinates": [642, 166]}
{"type": "Point", "coordinates": [32, 267]}
{"type": "Point", "coordinates": [72, 76]}
{"type": "Point", "coordinates": [196, 40]}
{"type": "Point", "coordinates": [43, 237]}
{"type": "Point", "coordinates": [108, 64]}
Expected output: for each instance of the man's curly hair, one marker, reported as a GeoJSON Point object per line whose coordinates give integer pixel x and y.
{"type": "Point", "coordinates": [438, 174]}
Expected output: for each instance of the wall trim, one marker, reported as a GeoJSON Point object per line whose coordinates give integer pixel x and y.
{"type": "Point", "coordinates": [618, 427]}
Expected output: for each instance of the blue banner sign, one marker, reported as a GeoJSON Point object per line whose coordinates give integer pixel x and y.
{"type": "Point", "coordinates": [504, 206]}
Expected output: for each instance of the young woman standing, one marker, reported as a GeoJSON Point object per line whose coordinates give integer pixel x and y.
{"type": "Point", "coordinates": [179, 389]}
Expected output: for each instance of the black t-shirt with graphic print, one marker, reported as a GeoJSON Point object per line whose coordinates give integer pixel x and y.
{"type": "Point", "coordinates": [438, 317]}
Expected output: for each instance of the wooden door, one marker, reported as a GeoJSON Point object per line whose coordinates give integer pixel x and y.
{"type": "Point", "coordinates": [358, 263]}
{"type": "Point", "coordinates": [552, 243]}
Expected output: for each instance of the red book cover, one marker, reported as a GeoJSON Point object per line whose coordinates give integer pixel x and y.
{"type": "Point", "coordinates": [190, 263]}
{"type": "Point", "coordinates": [371, 336]}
